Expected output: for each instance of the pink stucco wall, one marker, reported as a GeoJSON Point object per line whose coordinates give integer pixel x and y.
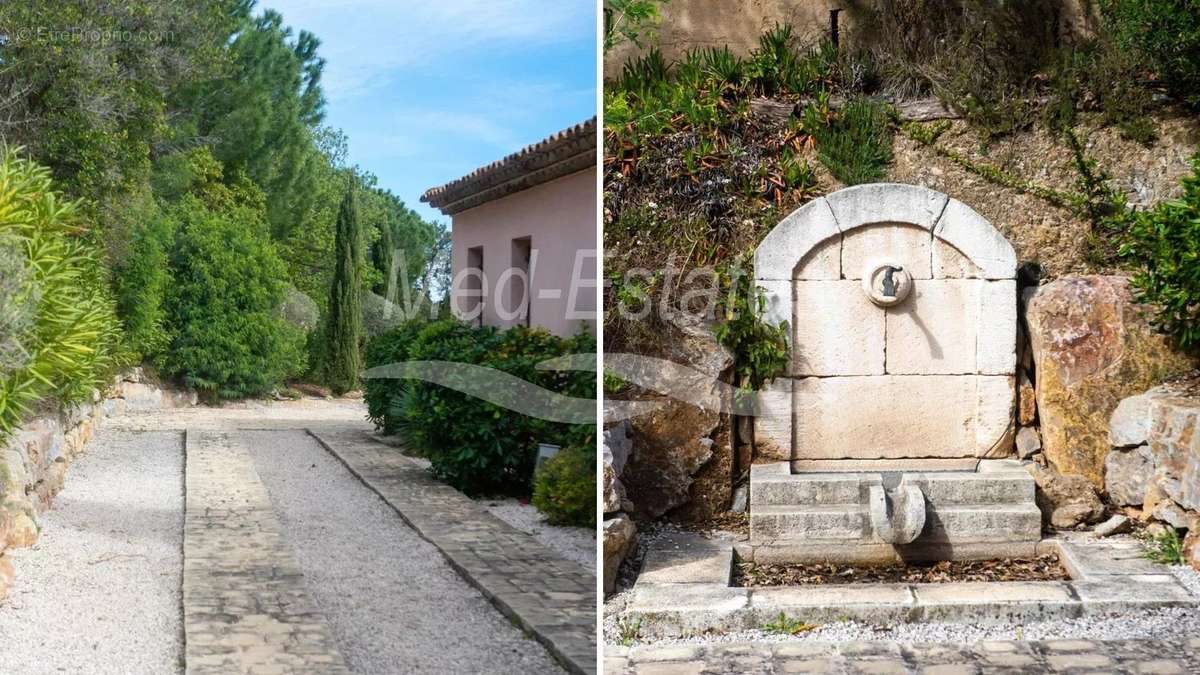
{"type": "Point", "coordinates": [559, 217]}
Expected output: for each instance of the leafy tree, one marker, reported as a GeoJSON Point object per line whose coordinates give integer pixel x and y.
{"type": "Point", "coordinates": [382, 257]}
{"type": "Point", "coordinates": [228, 336]}
{"type": "Point", "coordinates": [630, 21]}
{"type": "Point", "coordinates": [85, 83]}
{"type": "Point", "coordinates": [397, 232]}
{"type": "Point", "coordinates": [262, 114]}
{"type": "Point", "coordinates": [141, 278]}
{"type": "Point", "coordinates": [344, 327]}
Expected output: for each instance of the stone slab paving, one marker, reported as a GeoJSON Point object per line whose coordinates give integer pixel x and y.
{"type": "Point", "coordinates": [551, 598]}
{"type": "Point", "coordinates": [685, 589]}
{"type": "Point", "coordinates": [245, 607]}
{"type": "Point", "coordinates": [1002, 657]}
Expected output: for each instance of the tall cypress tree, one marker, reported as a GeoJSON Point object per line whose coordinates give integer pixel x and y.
{"type": "Point", "coordinates": [382, 255]}
{"type": "Point", "coordinates": [344, 330]}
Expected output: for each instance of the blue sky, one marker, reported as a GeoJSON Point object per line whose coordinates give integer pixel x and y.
{"type": "Point", "coordinates": [428, 90]}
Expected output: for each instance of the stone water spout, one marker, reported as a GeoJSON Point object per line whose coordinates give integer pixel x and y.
{"type": "Point", "coordinates": [898, 513]}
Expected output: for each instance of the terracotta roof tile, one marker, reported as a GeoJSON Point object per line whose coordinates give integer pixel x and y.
{"type": "Point", "coordinates": [565, 152]}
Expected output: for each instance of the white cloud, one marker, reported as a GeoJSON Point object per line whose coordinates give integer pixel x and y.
{"type": "Point", "coordinates": [487, 116]}
{"type": "Point", "coordinates": [368, 42]}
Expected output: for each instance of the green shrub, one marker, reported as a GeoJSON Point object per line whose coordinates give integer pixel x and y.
{"type": "Point", "coordinates": [760, 350]}
{"type": "Point", "coordinates": [476, 446]}
{"type": "Point", "coordinates": [1164, 245]}
{"type": "Point", "coordinates": [1166, 34]}
{"type": "Point", "coordinates": [565, 489]}
{"type": "Point", "coordinates": [854, 142]}
{"type": "Point", "coordinates": [1097, 75]}
{"type": "Point", "coordinates": [60, 331]}
{"type": "Point", "coordinates": [141, 280]}
{"type": "Point", "coordinates": [228, 337]}
{"type": "Point", "coordinates": [383, 396]}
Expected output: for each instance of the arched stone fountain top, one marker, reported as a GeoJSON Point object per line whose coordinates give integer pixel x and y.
{"type": "Point", "coordinates": [837, 214]}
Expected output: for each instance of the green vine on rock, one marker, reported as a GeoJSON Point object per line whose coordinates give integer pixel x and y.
{"type": "Point", "coordinates": [928, 134]}
{"type": "Point", "coordinates": [760, 349]}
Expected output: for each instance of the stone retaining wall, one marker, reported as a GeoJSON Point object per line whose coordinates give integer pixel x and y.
{"type": "Point", "coordinates": [1154, 467]}
{"type": "Point", "coordinates": [34, 459]}
{"type": "Point", "coordinates": [737, 24]}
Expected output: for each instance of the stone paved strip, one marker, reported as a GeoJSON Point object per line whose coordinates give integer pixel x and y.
{"type": "Point", "coordinates": [551, 598]}
{"type": "Point", "coordinates": [245, 608]}
{"type": "Point", "coordinates": [1008, 657]}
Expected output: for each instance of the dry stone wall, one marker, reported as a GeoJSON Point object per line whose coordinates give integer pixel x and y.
{"type": "Point", "coordinates": [1154, 466]}
{"type": "Point", "coordinates": [737, 24]}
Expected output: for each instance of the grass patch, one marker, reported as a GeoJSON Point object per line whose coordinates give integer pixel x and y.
{"type": "Point", "coordinates": [785, 625]}
{"type": "Point", "coordinates": [853, 142]}
{"type": "Point", "coordinates": [629, 630]}
{"type": "Point", "coordinates": [1166, 548]}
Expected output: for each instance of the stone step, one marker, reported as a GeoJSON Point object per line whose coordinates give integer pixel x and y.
{"type": "Point", "coordinates": [774, 524]}
{"type": "Point", "coordinates": [846, 522]}
{"type": "Point", "coordinates": [945, 489]}
{"type": "Point", "coordinates": [815, 489]}
{"type": "Point", "coordinates": [771, 486]}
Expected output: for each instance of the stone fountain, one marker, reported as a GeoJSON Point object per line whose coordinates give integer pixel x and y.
{"type": "Point", "coordinates": [897, 406]}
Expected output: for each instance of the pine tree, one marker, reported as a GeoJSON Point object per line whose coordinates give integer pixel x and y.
{"type": "Point", "coordinates": [344, 329]}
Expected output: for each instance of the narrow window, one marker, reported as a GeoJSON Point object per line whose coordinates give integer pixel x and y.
{"type": "Point", "coordinates": [519, 285]}
{"type": "Point", "coordinates": [474, 284]}
{"type": "Point", "coordinates": [834, 33]}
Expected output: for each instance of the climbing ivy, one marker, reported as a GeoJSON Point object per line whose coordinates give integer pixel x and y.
{"type": "Point", "coordinates": [759, 348]}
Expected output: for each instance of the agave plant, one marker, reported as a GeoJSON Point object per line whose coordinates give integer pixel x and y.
{"type": "Point", "coordinates": [60, 323]}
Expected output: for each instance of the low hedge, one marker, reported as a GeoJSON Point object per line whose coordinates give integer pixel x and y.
{"type": "Point", "coordinates": [565, 488]}
{"type": "Point", "coordinates": [478, 447]}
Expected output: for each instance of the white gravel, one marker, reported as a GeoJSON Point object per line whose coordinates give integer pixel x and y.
{"type": "Point", "coordinates": [100, 591]}
{"type": "Point", "coordinates": [1159, 624]}
{"type": "Point", "coordinates": [573, 543]}
{"type": "Point", "coordinates": [389, 597]}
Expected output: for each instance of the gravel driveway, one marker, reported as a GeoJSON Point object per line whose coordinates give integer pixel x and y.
{"type": "Point", "coordinates": [391, 601]}
{"type": "Point", "coordinates": [100, 591]}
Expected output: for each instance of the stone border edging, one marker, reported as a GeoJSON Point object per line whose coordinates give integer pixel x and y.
{"type": "Point", "coordinates": [989, 656]}
{"type": "Point", "coordinates": [551, 599]}
{"type": "Point", "coordinates": [685, 590]}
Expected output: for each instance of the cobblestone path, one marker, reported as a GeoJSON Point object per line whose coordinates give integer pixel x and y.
{"type": "Point", "coordinates": [551, 598]}
{"type": "Point", "coordinates": [245, 607]}
{"type": "Point", "coordinates": [1180, 657]}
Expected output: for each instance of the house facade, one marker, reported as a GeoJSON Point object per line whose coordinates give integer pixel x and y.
{"type": "Point", "coordinates": [524, 236]}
